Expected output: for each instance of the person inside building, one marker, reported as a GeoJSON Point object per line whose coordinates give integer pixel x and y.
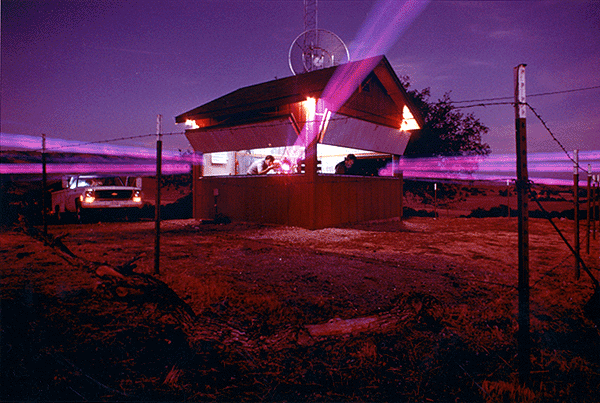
{"type": "Point", "coordinates": [261, 167]}
{"type": "Point", "coordinates": [347, 166]}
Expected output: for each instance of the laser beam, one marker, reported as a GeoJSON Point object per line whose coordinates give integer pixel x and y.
{"type": "Point", "coordinates": [548, 168]}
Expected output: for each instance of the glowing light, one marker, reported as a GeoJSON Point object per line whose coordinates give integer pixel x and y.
{"type": "Point", "coordinates": [308, 133]}
{"type": "Point", "coordinates": [408, 121]}
{"type": "Point", "coordinates": [88, 197]}
{"type": "Point", "coordinates": [18, 141]}
{"type": "Point", "coordinates": [191, 124]}
{"type": "Point", "coordinates": [59, 169]}
{"type": "Point", "coordinates": [132, 160]}
{"type": "Point", "coordinates": [547, 168]}
{"type": "Point", "coordinates": [310, 105]}
{"type": "Point", "coordinates": [387, 21]}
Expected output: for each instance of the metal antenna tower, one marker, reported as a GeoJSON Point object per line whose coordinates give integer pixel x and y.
{"type": "Point", "coordinates": [315, 48]}
{"type": "Point", "coordinates": [310, 15]}
{"type": "Point", "coordinates": [310, 26]}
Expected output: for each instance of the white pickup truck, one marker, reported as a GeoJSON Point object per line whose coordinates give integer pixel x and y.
{"type": "Point", "coordinates": [83, 195]}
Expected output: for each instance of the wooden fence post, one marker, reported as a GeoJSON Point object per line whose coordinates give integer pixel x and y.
{"type": "Point", "coordinates": [589, 211]}
{"type": "Point", "coordinates": [595, 201]}
{"type": "Point", "coordinates": [44, 188]}
{"type": "Point", "coordinates": [576, 209]}
{"type": "Point", "coordinates": [157, 201]}
{"type": "Point", "coordinates": [523, 337]}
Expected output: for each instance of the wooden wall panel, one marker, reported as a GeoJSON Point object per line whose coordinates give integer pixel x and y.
{"type": "Point", "coordinates": [325, 201]}
{"type": "Point", "coordinates": [293, 200]}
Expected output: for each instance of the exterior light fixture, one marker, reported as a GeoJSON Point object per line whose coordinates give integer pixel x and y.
{"type": "Point", "coordinates": [191, 124]}
{"type": "Point", "coordinates": [408, 120]}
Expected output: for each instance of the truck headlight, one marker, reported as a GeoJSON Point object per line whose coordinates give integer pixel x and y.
{"type": "Point", "coordinates": [87, 197]}
{"type": "Point", "coordinates": [137, 196]}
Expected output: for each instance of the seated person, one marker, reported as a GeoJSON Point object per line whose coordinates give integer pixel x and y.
{"type": "Point", "coordinates": [261, 167]}
{"type": "Point", "coordinates": [347, 166]}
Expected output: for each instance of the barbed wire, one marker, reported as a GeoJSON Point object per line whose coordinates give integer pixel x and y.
{"type": "Point", "coordinates": [484, 104]}
{"type": "Point", "coordinates": [564, 91]}
{"type": "Point", "coordinates": [550, 271]}
{"type": "Point", "coordinates": [574, 252]}
{"type": "Point", "coordinates": [529, 95]}
{"type": "Point", "coordinates": [554, 137]}
{"type": "Point", "coordinates": [537, 115]}
{"type": "Point", "coordinates": [482, 100]}
{"type": "Point", "coordinates": [139, 136]}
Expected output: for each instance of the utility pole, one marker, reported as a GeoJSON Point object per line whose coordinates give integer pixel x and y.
{"type": "Point", "coordinates": [523, 338]}
{"type": "Point", "coordinates": [157, 201]}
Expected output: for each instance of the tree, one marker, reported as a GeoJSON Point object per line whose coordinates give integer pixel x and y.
{"type": "Point", "coordinates": [447, 131]}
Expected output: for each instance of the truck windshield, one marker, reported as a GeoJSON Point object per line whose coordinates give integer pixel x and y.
{"type": "Point", "coordinates": [116, 181]}
{"type": "Point", "coordinates": [78, 182]}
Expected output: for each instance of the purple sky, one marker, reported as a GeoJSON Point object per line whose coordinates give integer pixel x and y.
{"type": "Point", "coordinates": [102, 69]}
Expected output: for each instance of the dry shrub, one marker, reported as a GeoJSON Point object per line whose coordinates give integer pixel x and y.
{"type": "Point", "coordinates": [556, 376]}
{"type": "Point", "coordinates": [366, 352]}
{"type": "Point", "coordinates": [173, 377]}
{"type": "Point", "coordinates": [263, 313]}
{"type": "Point", "coordinates": [267, 303]}
{"type": "Point", "coordinates": [510, 392]}
{"type": "Point", "coordinates": [488, 328]}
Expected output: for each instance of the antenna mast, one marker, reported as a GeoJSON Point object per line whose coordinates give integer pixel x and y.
{"type": "Point", "coordinates": [310, 15]}
{"type": "Point", "coordinates": [310, 27]}
{"type": "Point", "coordinates": [315, 48]}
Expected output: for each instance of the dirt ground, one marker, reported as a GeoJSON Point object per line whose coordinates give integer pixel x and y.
{"type": "Point", "coordinates": [250, 300]}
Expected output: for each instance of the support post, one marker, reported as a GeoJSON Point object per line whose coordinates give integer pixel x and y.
{"type": "Point", "coordinates": [589, 209]}
{"type": "Point", "coordinates": [44, 188]}
{"type": "Point", "coordinates": [157, 201]}
{"type": "Point", "coordinates": [311, 137]}
{"type": "Point", "coordinates": [434, 201]}
{"type": "Point", "coordinates": [523, 337]}
{"type": "Point", "coordinates": [508, 198]}
{"type": "Point", "coordinates": [576, 209]}
{"type": "Point", "coordinates": [595, 194]}
{"type": "Point", "coordinates": [398, 174]}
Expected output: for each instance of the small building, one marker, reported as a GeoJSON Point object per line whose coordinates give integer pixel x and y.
{"type": "Point", "coordinates": [358, 105]}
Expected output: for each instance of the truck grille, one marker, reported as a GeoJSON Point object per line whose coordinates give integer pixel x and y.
{"type": "Point", "coordinates": [113, 194]}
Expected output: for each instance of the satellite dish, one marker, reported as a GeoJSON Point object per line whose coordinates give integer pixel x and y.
{"type": "Point", "coordinates": [317, 49]}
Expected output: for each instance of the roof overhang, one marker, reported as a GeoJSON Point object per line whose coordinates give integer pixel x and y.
{"type": "Point", "coordinates": [348, 132]}
{"type": "Point", "coordinates": [276, 132]}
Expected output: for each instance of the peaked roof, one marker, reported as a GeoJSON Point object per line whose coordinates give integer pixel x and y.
{"type": "Point", "coordinates": [296, 89]}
